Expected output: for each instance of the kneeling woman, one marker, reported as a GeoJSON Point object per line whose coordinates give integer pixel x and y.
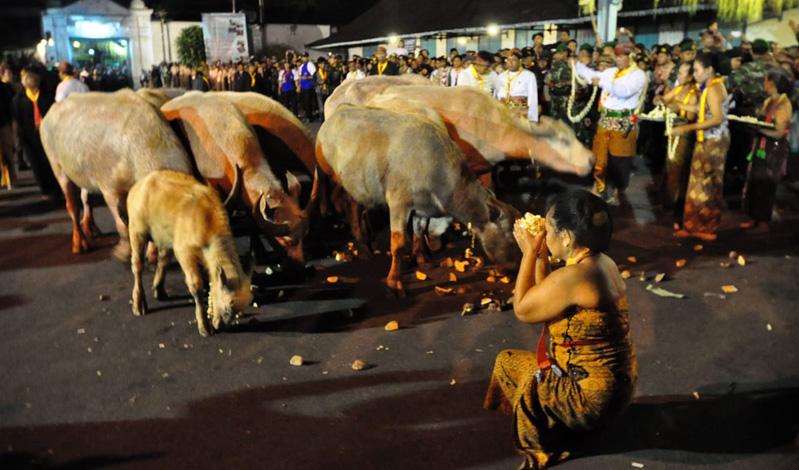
{"type": "Point", "coordinates": [584, 370]}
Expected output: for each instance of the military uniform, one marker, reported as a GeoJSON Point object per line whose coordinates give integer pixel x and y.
{"type": "Point", "coordinates": [746, 85]}
{"type": "Point", "coordinates": [559, 83]}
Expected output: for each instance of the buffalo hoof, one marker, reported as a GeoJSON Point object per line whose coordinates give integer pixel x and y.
{"type": "Point", "coordinates": [160, 293]}
{"type": "Point", "coordinates": [121, 252]}
{"type": "Point", "coordinates": [204, 331]}
{"type": "Point", "coordinates": [395, 289]}
{"type": "Point", "coordinates": [80, 246]}
{"type": "Point", "coordinates": [140, 309]}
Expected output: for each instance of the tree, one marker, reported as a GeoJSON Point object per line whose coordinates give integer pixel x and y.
{"type": "Point", "coordinates": [191, 48]}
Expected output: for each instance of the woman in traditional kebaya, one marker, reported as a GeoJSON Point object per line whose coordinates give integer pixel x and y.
{"type": "Point", "coordinates": [770, 151]}
{"type": "Point", "coordinates": [584, 370]}
{"type": "Point", "coordinates": [704, 198]}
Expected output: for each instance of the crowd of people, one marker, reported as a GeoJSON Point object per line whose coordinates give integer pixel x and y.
{"type": "Point", "coordinates": [27, 91]}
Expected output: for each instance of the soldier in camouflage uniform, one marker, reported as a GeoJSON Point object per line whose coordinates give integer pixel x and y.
{"type": "Point", "coordinates": [746, 87]}
{"type": "Point", "coordinates": [559, 83]}
{"type": "Point", "coordinates": [746, 83]}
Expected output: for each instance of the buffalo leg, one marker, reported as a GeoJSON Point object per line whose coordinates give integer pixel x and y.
{"type": "Point", "coordinates": [419, 249]}
{"type": "Point", "coordinates": [138, 300]}
{"type": "Point", "coordinates": [90, 228]}
{"type": "Point", "coordinates": [80, 244]}
{"type": "Point", "coordinates": [356, 221]}
{"type": "Point", "coordinates": [112, 200]}
{"type": "Point", "coordinates": [398, 215]}
{"type": "Point", "coordinates": [160, 274]}
{"type": "Point", "coordinates": [188, 260]}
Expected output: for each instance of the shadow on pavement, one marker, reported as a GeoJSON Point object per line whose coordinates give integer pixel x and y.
{"type": "Point", "coordinates": [371, 420]}
{"type": "Point", "coordinates": [51, 250]}
{"type": "Point", "coordinates": [373, 425]}
{"type": "Point", "coordinates": [14, 460]}
{"type": "Point", "coordinates": [734, 423]}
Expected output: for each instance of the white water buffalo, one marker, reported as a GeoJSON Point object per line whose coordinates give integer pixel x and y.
{"type": "Point", "coordinates": [224, 144]}
{"type": "Point", "coordinates": [181, 215]}
{"type": "Point", "coordinates": [485, 130]}
{"type": "Point", "coordinates": [105, 142]}
{"type": "Point", "coordinates": [358, 92]}
{"type": "Point", "coordinates": [410, 164]}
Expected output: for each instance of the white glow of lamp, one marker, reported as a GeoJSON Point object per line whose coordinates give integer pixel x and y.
{"type": "Point", "coordinates": [393, 38]}
{"type": "Point", "coordinates": [492, 29]}
{"type": "Point", "coordinates": [91, 51]}
{"type": "Point", "coordinates": [76, 44]}
{"type": "Point", "coordinates": [462, 41]}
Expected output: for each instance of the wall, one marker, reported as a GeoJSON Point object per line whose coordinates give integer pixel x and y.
{"type": "Point", "coordinates": [168, 41]}
{"type": "Point", "coordinates": [296, 36]}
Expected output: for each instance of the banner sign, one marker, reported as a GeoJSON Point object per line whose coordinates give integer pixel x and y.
{"type": "Point", "coordinates": [225, 37]}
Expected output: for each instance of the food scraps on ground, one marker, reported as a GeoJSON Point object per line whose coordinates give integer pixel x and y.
{"type": "Point", "coordinates": [460, 266]}
{"type": "Point", "coordinates": [661, 292]}
{"type": "Point", "coordinates": [729, 289]}
{"type": "Point", "coordinates": [442, 291]}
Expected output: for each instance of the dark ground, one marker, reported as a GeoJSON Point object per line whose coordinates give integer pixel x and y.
{"type": "Point", "coordinates": [87, 385]}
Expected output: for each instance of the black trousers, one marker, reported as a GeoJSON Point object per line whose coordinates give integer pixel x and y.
{"type": "Point", "coordinates": [42, 171]}
{"type": "Point", "coordinates": [308, 102]}
{"type": "Point", "coordinates": [618, 175]}
{"type": "Point", "coordinates": [320, 102]}
{"type": "Point", "coordinates": [289, 100]}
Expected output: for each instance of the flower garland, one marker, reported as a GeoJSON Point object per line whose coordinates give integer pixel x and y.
{"type": "Point", "coordinates": [673, 140]}
{"type": "Point", "coordinates": [570, 105]}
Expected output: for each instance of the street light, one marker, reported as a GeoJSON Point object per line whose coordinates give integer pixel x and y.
{"type": "Point", "coordinates": [393, 38]}
{"type": "Point", "coordinates": [492, 29]}
{"type": "Point", "coordinates": [91, 51]}
{"type": "Point", "coordinates": [76, 44]}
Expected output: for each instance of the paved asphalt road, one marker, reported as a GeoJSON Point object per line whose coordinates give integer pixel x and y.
{"type": "Point", "coordinates": [87, 385]}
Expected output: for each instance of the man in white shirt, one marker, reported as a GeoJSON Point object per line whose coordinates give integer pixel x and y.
{"type": "Point", "coordinates": [354, 70]}
{"type": "Point", "coordinates": [479, 73]}
{"type": "Point", "coordinates": [517, 88]}
{"type": "Point", "coordinates": [400, 49]}
{"type": "Point", "coordinates": [615, 141]}
{"type": "Point", "coordinates": [69, 84]}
